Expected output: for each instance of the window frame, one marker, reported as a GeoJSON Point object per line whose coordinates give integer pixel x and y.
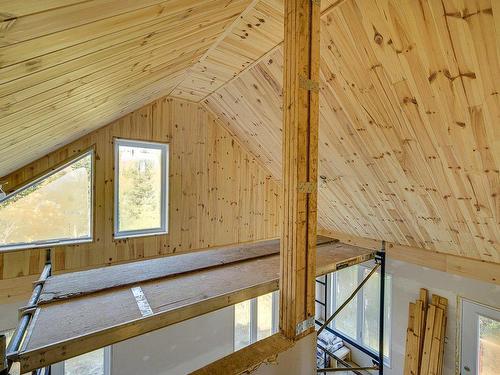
{"type": "Point", "coordinates": [44, 175]}
{"type": "Point", "coordinates": [254, 317]}
{"type": "Point", "coordinates": [165, 164]}
{"type": "Point", "coordinates": [359, 311]}
{"type": "Point", "coordinates": [469, 328]}
{"type": "Point", "coordinates": [59, 368]}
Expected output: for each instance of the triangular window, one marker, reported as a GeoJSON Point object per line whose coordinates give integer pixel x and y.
{"type": "Point", "coordinates": [56, 208]}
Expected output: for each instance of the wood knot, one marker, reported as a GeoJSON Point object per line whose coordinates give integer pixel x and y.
{"type": "Point", "coordinates": [407, 100]}
{"type": "Point", "coordinates": [377, 37]}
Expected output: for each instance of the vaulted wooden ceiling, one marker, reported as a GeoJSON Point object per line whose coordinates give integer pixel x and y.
{"type": "Point", "coordinates": [70, 66]}
{"type": "Point", "coordinates": [409, 122]}
{"type": "Point", "coordinates": [410, 111]}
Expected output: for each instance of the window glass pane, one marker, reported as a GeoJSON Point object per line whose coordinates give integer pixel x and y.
{"type": "Point", "coordinates": [57, 207]}
{"type": "Point", "coordinates": [346, 282]}
{"type": "Point", "coordinates": [140, 190]}
{"type": "Point", "coordinates": [489, 346]}
{"type": "Point", "coordinates": [264, 316]}
{"type": "Point", "coordinates": [90, 364]}
{"type": "Point", "coordinates": [242, 333]}
{"type": "Point", "coordinates": [371, 295]}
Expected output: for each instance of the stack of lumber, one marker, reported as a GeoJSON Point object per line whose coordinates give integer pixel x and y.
{"type": "Point", "coordinates": [425, 335]}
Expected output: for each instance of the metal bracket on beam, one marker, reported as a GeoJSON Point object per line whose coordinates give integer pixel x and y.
{"type": "Point", "coordinates": [308, 84]}
{"type": "Point", "coordinates": [380, 255]}
{"type": "Point", "coordinates": [26, 310]}
{"type": "Point", "coordinates": [304, 326]}
{"type": "Point", "coordinates": [306, 187]}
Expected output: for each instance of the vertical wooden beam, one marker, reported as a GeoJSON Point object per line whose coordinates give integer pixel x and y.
{"type": "Point", "coordinates": [300, 165]}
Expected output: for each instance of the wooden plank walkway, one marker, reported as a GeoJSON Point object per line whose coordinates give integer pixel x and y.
{"type": "Point", "coordinates": [76, 324]}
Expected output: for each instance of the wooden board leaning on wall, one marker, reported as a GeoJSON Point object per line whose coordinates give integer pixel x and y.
{"type": "Point", "coordinates": [426, 335]}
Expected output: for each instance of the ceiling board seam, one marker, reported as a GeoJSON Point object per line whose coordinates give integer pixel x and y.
{"type": "Point", "coordinates": [117, 32]}
{"type": "Point", "coordinates": [130, 106]}
{"type": "Point", "coordinates": [235, 137]}
{"type": "Point", "coordinates": [324, 12]}
{"type": "Point", "coordinates": [219, 40]}
{"type": "Point", "coordinates": [154, 4]}
{"type": "Point", "coordinates": [247, 68]}
{"type": "Point", "coordinates": [331, 7]}
{"type": "Point", "coordinates": [14, 16]}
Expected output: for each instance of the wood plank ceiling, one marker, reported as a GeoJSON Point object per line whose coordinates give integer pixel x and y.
{"type": "Point", "coordinates": [70, 66]}
{"type": "Point", "coordinates": [410, 110]}
{"type": "Point", "coordinates": [409, 122]}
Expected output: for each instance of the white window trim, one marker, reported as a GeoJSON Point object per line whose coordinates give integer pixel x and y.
{"type": "Point", "coordinates": [61, 241]}
{"type": "Point", "coordinates": [59, 368]}
{"type": "Point", "coordinates": [163, 229]}
{"type": "Point", "coordinates": [359, 323]}
{"type": "Point", "coordinates": [253, 319]}
{"type": "Point", "coordinates": [469, 332]}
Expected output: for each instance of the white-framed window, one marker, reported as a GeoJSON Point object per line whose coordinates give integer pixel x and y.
{"type": "Point", "coordinates": [359, 320]}
{"type": "Point", "coordinates": [479, 339]}
{"type": "Point", "coordinates": [54, 209]}
{"type": "Point", "coordinates": [97, 362]}
{"type": "Point", "coordinates": [141, 188]}
{"type": "Point", "coordinates": [255, 319]}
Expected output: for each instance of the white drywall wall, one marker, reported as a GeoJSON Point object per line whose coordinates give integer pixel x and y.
{"type": "Point", "coordinates": [407, 281]}
{"type": "Point", "coordinates": [9, 314]}
{"type": "Point", "coordinates": [298, 360]}
{"type": "Point", "coordinates": [177, 349]}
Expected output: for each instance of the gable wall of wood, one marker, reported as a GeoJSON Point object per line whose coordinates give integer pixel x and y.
{"type": "Point", "coordinates": [219, 194]}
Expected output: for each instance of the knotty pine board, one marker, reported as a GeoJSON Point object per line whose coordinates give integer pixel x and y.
{"type": "Point", "coordinates": [219, 194]}
{"type": "Point", "coordinates": [409, 114]}
{"type": "Point", "coordinates": [68, 69]}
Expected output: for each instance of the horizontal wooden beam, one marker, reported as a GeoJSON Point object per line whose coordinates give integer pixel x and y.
{"type": "Point", "coordinates": [248, 359]}
{"type": "Point", "coordinates": [16, 289]}
{"type": "Point", "coordinates": [457, 265]}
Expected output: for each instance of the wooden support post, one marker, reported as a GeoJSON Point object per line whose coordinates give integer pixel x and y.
{"type": "Point", "coordinates": [300, 166]}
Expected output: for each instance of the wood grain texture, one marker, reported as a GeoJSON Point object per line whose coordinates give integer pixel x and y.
{"type": "Point", "coordinates": [73, 284]}
{"type": "Point", "coordinates": [112, 315]}
{"type": "Point", "coordinates": [409, 113]}
{"type": "Point", "coordinates": [300, 165]}
{"type": "Point", "coordinates": [255, 33]}
{"type": "Point", "coordinates": [80, 283]}
{"type": "Point", "coordinates": [454, 264]}
{"type": "Point", "coordinates": [219, 194]}
{"type": "Point", "coordinates": [70, 67]}
{"type": "Point", "coordinates": [249, 358]}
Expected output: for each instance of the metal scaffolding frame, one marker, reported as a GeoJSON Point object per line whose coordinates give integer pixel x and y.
{"type": "Point", "coordinates": [9, 353]}
{"type": "Point", "coordinates": [378, 358]}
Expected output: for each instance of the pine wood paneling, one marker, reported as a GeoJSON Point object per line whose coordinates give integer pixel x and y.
{"type": "Point", "coordinates": [409, 114]}
{"type": "Point", "coordinates": [219, 194]}
{"type": "Point", "coordinates": [87, 63]}
{"type": "Point", "coordinates": [300, 165]}
{"type": "Point", "coordinates": [257, 31]}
